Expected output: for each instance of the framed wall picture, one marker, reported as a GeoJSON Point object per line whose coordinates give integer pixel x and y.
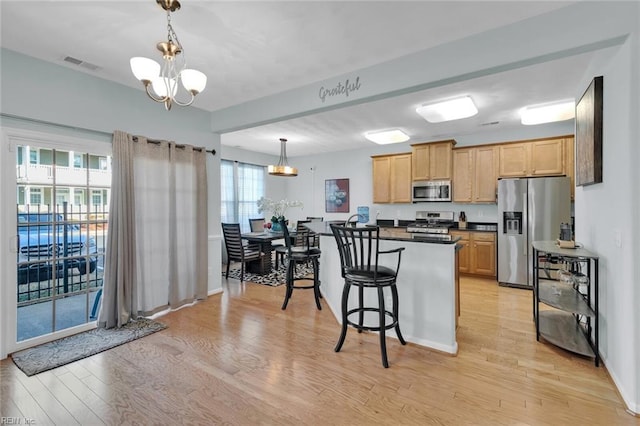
{"type": "Point", "coordinates": [336, 195]}
{"type": "Point", "coordinates": [589, 135]}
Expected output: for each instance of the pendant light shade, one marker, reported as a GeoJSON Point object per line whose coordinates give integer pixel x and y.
{"type": "Point", "coordinates": [282, 168]}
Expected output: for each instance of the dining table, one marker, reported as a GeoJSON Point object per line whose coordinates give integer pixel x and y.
{"type": "Point", "coordinates": [264, 240]}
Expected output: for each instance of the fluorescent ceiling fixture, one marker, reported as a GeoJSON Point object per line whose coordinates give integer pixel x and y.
{"type": "Point", "coordinates": [548, 113]}
{"type": "Point", "coordinates": [453, 109]}
{"type": "Point", "coordinates": [387, 136]}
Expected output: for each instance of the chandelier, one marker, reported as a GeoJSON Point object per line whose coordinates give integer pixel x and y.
{"type": "Point", "coordinates": [161, 82]}
{"type": "Point", "coordinates": [283, 168]}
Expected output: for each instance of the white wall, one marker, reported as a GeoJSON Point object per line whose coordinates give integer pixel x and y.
{"type": "Point", "coordinates": [611, 207]}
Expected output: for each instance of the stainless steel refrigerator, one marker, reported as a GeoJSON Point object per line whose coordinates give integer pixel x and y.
{"type": "Point", "coordinates": [529, 209]}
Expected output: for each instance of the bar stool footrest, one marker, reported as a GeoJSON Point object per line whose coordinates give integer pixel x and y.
{"type": "Point", "coordinates": [388, 314]}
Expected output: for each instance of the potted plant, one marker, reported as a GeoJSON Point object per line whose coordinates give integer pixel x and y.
{"type": "Point", "coordinates": [277, 209]}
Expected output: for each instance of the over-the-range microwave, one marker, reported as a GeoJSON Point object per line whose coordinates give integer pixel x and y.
{"type": "Point", "coordinates": [432, 190]}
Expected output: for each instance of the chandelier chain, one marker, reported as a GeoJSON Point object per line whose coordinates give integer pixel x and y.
{"type": "Point", "coordinates": [172, 35]}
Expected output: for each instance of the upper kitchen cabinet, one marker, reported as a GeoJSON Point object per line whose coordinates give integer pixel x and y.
{"type": "Point", "coordinates": [392, 178]}
{"type": "Point", "coordinates": [533, 158]}
{"type": "Point", "coordinates": [432, 160]}
{"type": "Point", "coordinates": [475, 174]}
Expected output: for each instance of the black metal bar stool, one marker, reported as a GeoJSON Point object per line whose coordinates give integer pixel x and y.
{"type": "Point", "coordinates": [359, 251]}
{"type": "Point", "coordinates": [298, 254]}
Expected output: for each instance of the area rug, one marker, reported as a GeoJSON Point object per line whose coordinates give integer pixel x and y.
{"type": "Point", "coordinates": [275, 278]}
{"type": "Point", "coordinates": [66, 350]}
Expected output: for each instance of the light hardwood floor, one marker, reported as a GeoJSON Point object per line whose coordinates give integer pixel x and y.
{"type": "Point", "coordinates": [238, 359]}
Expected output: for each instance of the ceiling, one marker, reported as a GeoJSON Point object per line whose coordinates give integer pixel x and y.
{"type": "Point", "coordinates": [252, 49]}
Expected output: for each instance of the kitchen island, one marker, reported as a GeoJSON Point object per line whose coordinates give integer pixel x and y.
{"type": "Point", "coordinates": [427, 285]}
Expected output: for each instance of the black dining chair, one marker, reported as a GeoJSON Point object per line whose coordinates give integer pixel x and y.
{"type": "Point", "coordinates": [297, 254]}
{"type": "Point", "coordinates": [257, 225]}
{"type": "Point", "coordinates": [315, 218]}
{"type": "Point", "coordinates": [236, 250]}
{"type": "Point", "coordinates": [359, 253]}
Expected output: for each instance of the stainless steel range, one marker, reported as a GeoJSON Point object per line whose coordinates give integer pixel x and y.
{"type": "Point", "coordinates": [432, 225]}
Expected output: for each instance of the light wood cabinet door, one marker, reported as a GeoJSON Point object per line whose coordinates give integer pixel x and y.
{"type": "Point", "coordinates": [483, 253]}
{"type": "Point", "coordinates": [401, 178]}
{"type": "Point", "coordinates": [420, 162]}
{"type": "Point", "coordinates": [440, 161]}
{"type": "Point", "coordinates": [432, 161]}
{"type": "Point", "coordinates": [546, 157]}
{"type": "Point", "coordinates": [462, 172]}
{"type": "Point", "coordinates": [381, 180]}
{"type": "Point", "coordinates": [464, 255]}
{"type": "Point", "coordinates": [485, 174]}
{"type": "Point", "coordinates": [478, 253]}
{"type": "Point", "coordinates": [514, 159]}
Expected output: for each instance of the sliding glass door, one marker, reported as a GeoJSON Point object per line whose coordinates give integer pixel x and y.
{"type": "Point", "coordinates": [59, 223]}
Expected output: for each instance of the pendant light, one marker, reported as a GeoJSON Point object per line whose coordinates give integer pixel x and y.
{"type": "Point", "coordinates": [283, 168]}
{"type": "Point", "coordinates": [161, 82]}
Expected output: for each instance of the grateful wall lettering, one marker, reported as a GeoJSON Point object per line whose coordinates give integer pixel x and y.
{"type": "Point", "coordinates": [340, 89]}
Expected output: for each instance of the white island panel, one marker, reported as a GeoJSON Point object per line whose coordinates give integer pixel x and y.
{"type": "Point", "coordinates": [426, 290]}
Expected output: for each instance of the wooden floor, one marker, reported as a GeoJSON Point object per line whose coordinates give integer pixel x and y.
{"type": "Point", "coordinates": [238, 359]}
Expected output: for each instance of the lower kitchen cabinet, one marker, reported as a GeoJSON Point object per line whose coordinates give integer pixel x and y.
{"type": "Point", "coordinates": [478, 253]}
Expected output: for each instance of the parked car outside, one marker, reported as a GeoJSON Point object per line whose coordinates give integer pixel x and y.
{"type": "Point", "coordinates": [39, 238]}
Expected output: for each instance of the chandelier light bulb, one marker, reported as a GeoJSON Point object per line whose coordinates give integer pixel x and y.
{"type": "Point", "coordinates": [144, 69]}
{"type": "Point", "coordinates": [193, 80]}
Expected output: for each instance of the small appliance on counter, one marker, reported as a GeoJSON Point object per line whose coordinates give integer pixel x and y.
{"type": "Point", "coordinates": [566, 236]}
{"type": "Point", "coordinates": [432, 225]}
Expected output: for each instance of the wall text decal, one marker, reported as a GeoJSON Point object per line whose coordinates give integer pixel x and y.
{"type": "Point", "coordinates": [341, 89]}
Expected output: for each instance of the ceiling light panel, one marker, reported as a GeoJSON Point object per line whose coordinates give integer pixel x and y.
{"type": "Point", "coordinates": [386, 137]}
{"type": "Point", "coordinates": [452, 109]}
{"type": "Point", "coordinates": [548, 113]}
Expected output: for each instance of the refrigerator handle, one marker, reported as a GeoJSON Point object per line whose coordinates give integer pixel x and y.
{"type": "Point", "coordinates": [525, 223]}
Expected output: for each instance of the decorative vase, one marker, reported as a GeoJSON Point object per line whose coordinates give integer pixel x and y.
{"type": "Point", "coordinates": [275, 227]}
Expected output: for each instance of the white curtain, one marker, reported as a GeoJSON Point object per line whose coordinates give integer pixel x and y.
{"type": "Point", "coordinates": [159, 257]}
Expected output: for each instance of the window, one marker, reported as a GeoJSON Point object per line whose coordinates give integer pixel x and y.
{"type": "Point", "coordinates": [242, 187]}
{"type": "Point", "coordinates": [33, 156]}
{"type": "Point", "coordinates": [62, 195]}
{"type": "Point", "coordinates": [77, 161]}
{"type": "Point", "coordinates": [35, 196]}
{"type": "Point", "coordinates": [96, 198]}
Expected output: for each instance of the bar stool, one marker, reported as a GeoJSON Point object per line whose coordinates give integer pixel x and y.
{"type": "Point", "coordinates": [359, 251]}
{"type": "Point", "coordinates": [301, 254]}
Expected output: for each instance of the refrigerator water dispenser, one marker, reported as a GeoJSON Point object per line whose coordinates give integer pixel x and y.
{"type": "Point", "coordinates": [512, 223]}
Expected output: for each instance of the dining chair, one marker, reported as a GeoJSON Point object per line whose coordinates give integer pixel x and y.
{"type": "Point", "coordinates": [315, 218]}
{"type": "Point", "coordinates": [236, 250]}
{"type": "Point", "coordinates": [257, 224]}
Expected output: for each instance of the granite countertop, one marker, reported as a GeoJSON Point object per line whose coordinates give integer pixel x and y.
{"type": "Point", "coordinates": [398, 233]}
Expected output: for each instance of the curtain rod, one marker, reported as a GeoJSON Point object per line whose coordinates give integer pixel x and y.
{"type": "Point", "coordinates": [158, 142]}
{"type": "Point", "coordinates": [84, 129]}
